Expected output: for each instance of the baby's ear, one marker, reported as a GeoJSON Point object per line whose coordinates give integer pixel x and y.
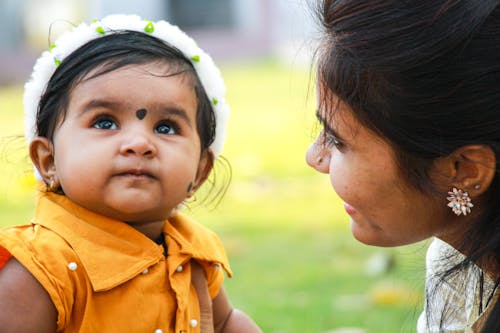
{"type": "Point", "coordinates": [42, 156]}
{"type": "Point", "coordinates": [204, 167]}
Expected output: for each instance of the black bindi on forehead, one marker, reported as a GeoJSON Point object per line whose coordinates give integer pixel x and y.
{"type": "Point", "coordinates": [141, 113]}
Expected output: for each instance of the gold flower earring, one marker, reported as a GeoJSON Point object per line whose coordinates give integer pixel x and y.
{"type": "Point", "coordinates": [459, 202]}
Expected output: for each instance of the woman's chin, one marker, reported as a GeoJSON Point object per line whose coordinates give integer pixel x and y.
{"type": "Point", "coordinates": [368, 235]}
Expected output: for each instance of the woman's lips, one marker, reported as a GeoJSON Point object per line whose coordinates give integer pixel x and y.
{"type": "Point", "coordinates": [349, 209]}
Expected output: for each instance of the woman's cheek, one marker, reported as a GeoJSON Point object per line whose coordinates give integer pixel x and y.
{"type": "Point", "coordinates": [339, 176]}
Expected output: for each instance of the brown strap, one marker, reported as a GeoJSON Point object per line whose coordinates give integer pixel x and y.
{"type": "Point", "coordinates": [199, 281]}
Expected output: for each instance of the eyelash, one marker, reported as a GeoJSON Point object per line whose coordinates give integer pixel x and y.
{"type": "Point", "coordinates": [329, 140]}
{"type": "Point", "coordinates": [168, 123]}
{"type": "Point", "coordinates": [113, 125]}
{"type": "Point", "coordinates": [103, 118]}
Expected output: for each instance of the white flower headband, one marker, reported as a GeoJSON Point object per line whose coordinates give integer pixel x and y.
{"type": "Point", "coordinates": [206, 70]}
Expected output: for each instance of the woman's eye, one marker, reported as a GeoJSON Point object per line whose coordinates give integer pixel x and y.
{"type": "Point", "coordinates": [166, 128]}
{"type": "Point", "coordinates": [334, 142]}
{"type": "Point", "coordinates": [331, 141]}
{"type": "Point", "coordinates": [105, 124]}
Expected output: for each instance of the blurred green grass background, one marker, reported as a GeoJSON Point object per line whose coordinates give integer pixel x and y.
{"type": "Point", "coordinates": [297, 267]}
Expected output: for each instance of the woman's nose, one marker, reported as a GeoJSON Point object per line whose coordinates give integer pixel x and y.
{"type": "Point", "coordinates": [138, 144]}
{"type": "Point", "coordinates": [318, 157]}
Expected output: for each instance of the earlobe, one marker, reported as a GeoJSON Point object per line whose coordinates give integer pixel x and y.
{"type": "Point", "coordinates": [474, 168]}
{"type": "Point", "coordinates": [42, 156]}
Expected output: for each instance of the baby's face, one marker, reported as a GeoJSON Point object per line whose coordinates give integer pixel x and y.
{"type": "Point", "coordinates": [128, 147]}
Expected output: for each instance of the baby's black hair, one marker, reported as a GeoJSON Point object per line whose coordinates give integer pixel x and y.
{"type": "Point", "coordinates": [111, 52]}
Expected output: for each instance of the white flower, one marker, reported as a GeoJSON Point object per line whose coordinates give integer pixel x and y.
{"type": "Point", "coordinates": [459, 202]}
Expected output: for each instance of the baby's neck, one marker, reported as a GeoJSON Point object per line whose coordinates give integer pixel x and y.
{"type": "Point", "coordinates": [153, 230]}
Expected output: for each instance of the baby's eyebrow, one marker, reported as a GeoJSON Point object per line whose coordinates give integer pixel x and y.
{"type": "Point", "coordinates": [173, 111]}
{"type": "Point", "coordinates": [99, 103]}
{"type": "Point", "coordinates": [164, 111]}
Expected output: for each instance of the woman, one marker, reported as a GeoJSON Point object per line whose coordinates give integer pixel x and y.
{"type": "Point", "coordinates": [409, 98]}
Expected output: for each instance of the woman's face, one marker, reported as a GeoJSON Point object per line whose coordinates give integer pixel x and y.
{"type": "Point", "coordinates": [384, 209]}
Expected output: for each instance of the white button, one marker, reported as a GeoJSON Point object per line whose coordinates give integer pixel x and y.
{"type": "Point", "coordinates": [217, 266]}
{"type": "Point", "coordinates": [193, 323]}
{"type": "Point", "coordinates": [158, 330]}
{"type": "Point", "coordinates": [72, 266]}
{"type": "Point", "coordinates": [179, 268]}
{"type": "Point", "coordinates": [146, 271]}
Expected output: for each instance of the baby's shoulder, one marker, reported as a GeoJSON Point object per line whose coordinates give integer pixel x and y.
{"type": "Point", "coordinates": [36, 240]}
{"type": "Point", "coordinates": [25, 304]}
{"type": "Point", "coordinates": [43, 252]}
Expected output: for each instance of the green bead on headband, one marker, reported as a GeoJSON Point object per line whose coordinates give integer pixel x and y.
{"type": "Point", "coordinates": [208, 73]}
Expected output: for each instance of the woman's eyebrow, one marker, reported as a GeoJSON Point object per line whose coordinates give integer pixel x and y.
{"type": "Point", "coordinates": [326, 126]}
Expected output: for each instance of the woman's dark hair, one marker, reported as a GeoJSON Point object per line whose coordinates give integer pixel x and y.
{"type": "Point", "coordinates": [425, 76]}
{"type": "Point", "coordinates": [111, 52]}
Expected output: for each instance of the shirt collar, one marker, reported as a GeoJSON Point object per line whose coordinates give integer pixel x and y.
{"type": "Point", "coordinates": [188, 239]}
{"type": "Point", "coordinates": [112, 252]}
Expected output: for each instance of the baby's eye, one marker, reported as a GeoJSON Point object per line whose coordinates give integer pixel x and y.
{"type": "Point", "coordinates": [105, 124]}
{"type": "Point", "coordinates": [166, 128]}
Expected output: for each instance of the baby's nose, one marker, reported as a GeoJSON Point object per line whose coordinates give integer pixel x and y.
{"type": "Point", "coordinates": [138, 144]}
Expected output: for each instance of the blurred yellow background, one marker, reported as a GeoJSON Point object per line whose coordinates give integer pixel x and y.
{"type": "Point", "coordinates": [297, 267]}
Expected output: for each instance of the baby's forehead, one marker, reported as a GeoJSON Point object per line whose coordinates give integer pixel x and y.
{"type": "Point", "coordinates": [155, 68]}
{"type": "Point", "coordinates": [145, 86]}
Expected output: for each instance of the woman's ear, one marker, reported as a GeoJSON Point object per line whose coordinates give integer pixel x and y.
{"type": "Point", "coordinates": [470, 168]}
{"type": "Point", "coordinates": [42, 156]}
{"type": "Point", "coordinates": [204, 168]}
